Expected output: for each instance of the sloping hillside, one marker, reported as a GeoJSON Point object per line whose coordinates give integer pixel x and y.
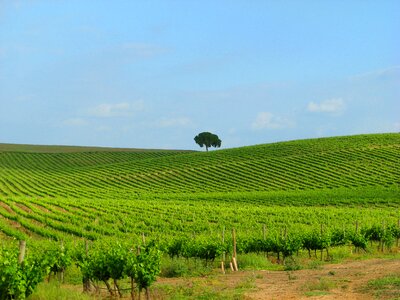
{"type": "Point", "coordinates": [327, 163]}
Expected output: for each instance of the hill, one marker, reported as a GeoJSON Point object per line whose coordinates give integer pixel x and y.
{"type": "Point", "coordinates": [325, 163]}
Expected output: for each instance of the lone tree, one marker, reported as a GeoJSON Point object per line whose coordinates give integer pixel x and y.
{"type": "Point", "coordinates": [207, 139]}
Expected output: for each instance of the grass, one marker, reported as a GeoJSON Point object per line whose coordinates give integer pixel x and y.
{"type": "Point", "coordinates": [387, 287]}
{"type": "Point", "coordinates": [212, 287]}
{"type": "Point", "coordinates": [320, 287]}
{"type": "Point", "coordinates": [253, 261]}
{"type": "Point", "coordinates": [67, 149]}
{"type": "Point", "coordinates": [181, 267]}
{"type": "Point", "coordinates": [55, 291]}
{"type": "Point", "coordinates": [316, 293]}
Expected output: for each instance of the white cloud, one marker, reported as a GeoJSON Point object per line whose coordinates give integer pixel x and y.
{"type": "Point", "coordinates": [174, 122]}
{"type": "Point", "coordinates": [123, 109]}
{"type": "Point", "coordinates": [382, 73]}
{"type": "Point", "coordinates": [333, 106]}
{"type": "Point", "coordinates": [267, 120]}
{"type": "Point", "coordinates": [75, 122]}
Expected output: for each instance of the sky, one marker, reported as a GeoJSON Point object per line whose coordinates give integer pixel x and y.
{"type": "Point", "coordinates": [153, 74]}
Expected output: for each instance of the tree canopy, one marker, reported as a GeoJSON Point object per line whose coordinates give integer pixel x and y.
{"type": "Point", "coordinates": [207, 139]}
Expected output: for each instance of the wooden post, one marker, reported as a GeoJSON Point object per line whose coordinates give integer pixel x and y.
{"type": "Point", "coordinates": [62, 271]}
{"type": "Point", "coordinates": [383, 231]}
{"type": "Point", "coordinates": [356, 250]}
{"type": "Point", "coordinates": [231, 266]}
{"type": "Point", "coordinates": [143, 239]}
{"type": "Point", "coordinates": [223, 253]}
{"type": "Point", "coordinates": [86, 281]}
{"type": "Point", "coordinates": [234, 241]}
{"type": "Point", "coordinates": [234, 261]}
{"type": "Point", "coordinates": [22, 249]}
{"type": "Point", "coordinates": [322, 231]}
{"type": "Point", "coordinates": [264, 232]}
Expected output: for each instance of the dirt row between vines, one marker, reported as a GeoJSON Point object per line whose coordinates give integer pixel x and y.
{"type": "Point", "coordinates": [348, 280]}
{"type": "Point", "coordinates": [334, 281]}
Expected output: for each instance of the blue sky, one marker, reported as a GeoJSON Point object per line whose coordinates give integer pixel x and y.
{"type": "Point", "coordinates": [153, 74]}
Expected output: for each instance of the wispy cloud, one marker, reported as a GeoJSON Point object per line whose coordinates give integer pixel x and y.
{"type": "Point", "coordinates": [174, 122]}
{"type": "Point", "coordinates": [76, 122]}
{"type": "Point", "coordinates": [331, 106]}
{"type": "Point", "coordinates": [143, 49]}
{"type": "Point", "coordinates": [267, 120]}
{"type": "Point", "coordinates": [123, 109]}
{"type": "Point", "coordinates": [393, 71]}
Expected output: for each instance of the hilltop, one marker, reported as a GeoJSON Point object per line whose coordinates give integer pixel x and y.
{"type": "Point", "coordinates": [68, 149]}
{"type": "Point", "coordinates": [313, 164]}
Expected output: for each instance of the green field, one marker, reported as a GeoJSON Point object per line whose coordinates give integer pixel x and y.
{"type": "Point", "coordinates": [279, 197]}
{"type": "Point", "coordinates": [49, 191]}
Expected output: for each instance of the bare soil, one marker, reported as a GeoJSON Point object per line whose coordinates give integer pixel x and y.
{"type": "Point", "coordinates": [334, 281]}
{"type": "Point", "coordinates": [348, 280]}
{"type": "Point", "coordinates": [7, 208]}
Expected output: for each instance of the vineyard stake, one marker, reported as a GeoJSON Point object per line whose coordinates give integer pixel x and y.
{"type": "Point", "coordinates": [86, 281]}
{"type": "Point", "coordinates": [383, 231]}
{"type": "Point", "coordinates": [234, 241]}
{"type": "Point", "coordinates": [234, 250]}
{"type": "Point", "coordinates": [62, 271]}
{"type": "Point", "coordinates": [223, 252]}
{"type": "Point", "coordinates": [235, 264]}
{"type": "Point", "coordinates": [264, 232]}
{"type": "Point", "coordinates": [322, 231]}
{"type": "Point", "coordinates": [22, 248]}
{"type": "Point", "coordinates": [356, 248]}
{"type": "Point", "coordinates": [143, 239]}
{"type": "Point", "coordinates": [231, 265]}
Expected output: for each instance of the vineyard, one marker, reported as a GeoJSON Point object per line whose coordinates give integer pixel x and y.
{"type": "Point", "coordinates": [126, 208]}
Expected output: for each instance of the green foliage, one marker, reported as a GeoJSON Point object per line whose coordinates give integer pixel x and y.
{"type": "Point", "coordinates": [115, 260]}
{"type": "Point", "coordinates": [207, 139]}
{"type": "Point", "coordinates": [148, 266]}
{"type": "Point", "coordinates": [359, 241]}
{"type": "Point", "coordinates": [317, 241]}
{"type": "Point", "coordinates": [305, 165]}
{"type": "Point", "coordinates": [60, 257]}
{"type": "Point", "coordinates": [183, 200]}
{"type": "Point", "coordinates": [18, 281]}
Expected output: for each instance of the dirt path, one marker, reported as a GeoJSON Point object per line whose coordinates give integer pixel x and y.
{"type": "Point", "coordinates": [334, 281]}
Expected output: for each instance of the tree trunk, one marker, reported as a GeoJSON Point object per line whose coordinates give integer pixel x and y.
{"type": "Point", "coordinates": [206, 148]}
{"type": "Point", "coordinates": [117, 286]}
{"type": "Point", "coordinates": [86, 285]}
{"type": "Point", "coordinates": [110, 290]}
{"type": "Point", "coordinates": [147, 293]}
{"type": "Point", "coordinates": [132, 289]}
